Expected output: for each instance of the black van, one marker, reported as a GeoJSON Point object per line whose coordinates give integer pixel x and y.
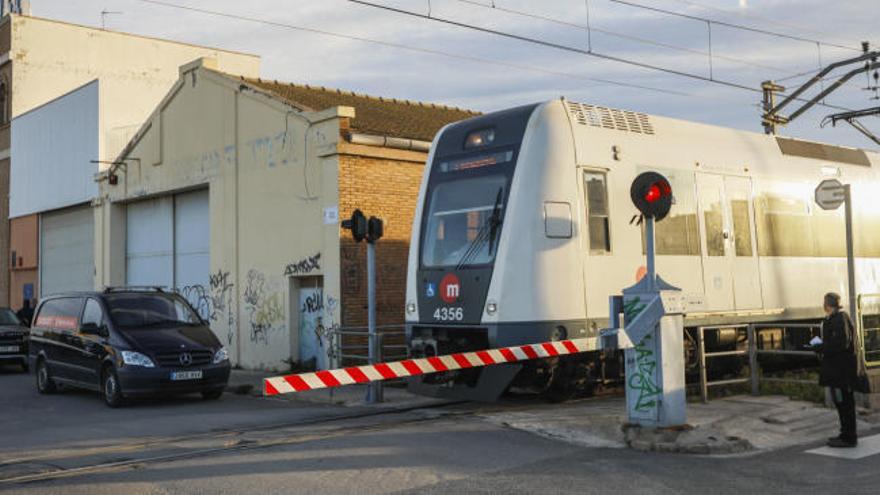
{"type": "Point", "coordinates": [126, 343]}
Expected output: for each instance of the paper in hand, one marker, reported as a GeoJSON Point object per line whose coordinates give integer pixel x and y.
{"type": "Point", "coordinates": [816, 341]}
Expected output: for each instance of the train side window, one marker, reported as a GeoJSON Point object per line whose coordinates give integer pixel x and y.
{"type": "Point", "coordinates": [784, 222]}
{"type": "Point", "coordinates": [742, 229]}
{"type": "Point", "coordinates": [596, 191]}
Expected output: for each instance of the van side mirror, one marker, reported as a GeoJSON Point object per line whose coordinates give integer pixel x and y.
{"type": "Point", "coordinates": [94, 329]}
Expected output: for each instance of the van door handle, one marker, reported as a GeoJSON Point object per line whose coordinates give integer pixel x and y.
{"type": "Point", "coordinates": [726, 234]}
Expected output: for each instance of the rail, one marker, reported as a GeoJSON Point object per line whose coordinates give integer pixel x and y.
{"type": "Point", "coordinates": [756, 346]}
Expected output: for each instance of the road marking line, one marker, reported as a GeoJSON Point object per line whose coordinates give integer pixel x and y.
{"type": "Point", "coordinates": [867, 447]}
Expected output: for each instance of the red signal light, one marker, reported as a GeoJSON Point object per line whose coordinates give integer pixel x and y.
{"type": "Point", "coordinates": [657, 190]}
{"type": "Point", "coordinates": [653, 193]}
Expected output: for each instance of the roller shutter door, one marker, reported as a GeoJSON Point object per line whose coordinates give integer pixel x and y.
{"type": "Point", "coordinates": [149, 243]}
{"type": "Point", "coordinates": [167, 244]}
{"type": "Point", "coordinates": [67, 250]}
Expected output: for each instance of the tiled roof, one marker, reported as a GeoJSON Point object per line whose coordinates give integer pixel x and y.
{"type": "Point", "coordinates": [373, 115]}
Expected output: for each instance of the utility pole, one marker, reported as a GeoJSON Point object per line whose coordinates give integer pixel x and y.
{"type": "Point", "coordinates": [772, 116]}
{"type": "Point", "coordinates": [769, 88]}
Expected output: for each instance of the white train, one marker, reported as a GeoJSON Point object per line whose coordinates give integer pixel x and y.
{"type": "Point", "coordinates": [523, 229]}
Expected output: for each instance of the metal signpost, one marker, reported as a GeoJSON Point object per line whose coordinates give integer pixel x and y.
{"type": "Point", "coordinates": [830, 194]}
{"type": "Point", "coordinates": [370, 230]}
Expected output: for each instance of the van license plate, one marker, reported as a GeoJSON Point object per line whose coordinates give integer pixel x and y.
{"type": "Point", "coordinates": [186, 375]}
{"type": "Point", "coordinates": [9, 348]}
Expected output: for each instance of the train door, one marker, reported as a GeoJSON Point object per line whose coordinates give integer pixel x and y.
{"type": "Point", "coordinates": [730, 264]}
{"type": "Point", "coordinates": [746, 272]}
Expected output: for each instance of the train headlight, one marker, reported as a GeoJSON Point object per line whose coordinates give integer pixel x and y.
{"type": "Point", "coordinates": [491, 308]}
{"type": "Point", "coordinates": [410, 308]}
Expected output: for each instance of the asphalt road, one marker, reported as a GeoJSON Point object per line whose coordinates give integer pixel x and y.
{"type": "Point", "coordinates": [439, 450]}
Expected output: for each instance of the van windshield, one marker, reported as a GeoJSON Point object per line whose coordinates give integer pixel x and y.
{"type": "Point", "coordinates": [139, 310]}
{"type": "Point", "coordinates": [464, 221]}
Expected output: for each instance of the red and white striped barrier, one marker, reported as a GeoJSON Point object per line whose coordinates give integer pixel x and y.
{"type": "Point", "coordinates": [423, 366]}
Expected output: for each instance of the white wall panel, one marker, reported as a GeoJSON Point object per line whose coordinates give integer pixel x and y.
{"type": "Point", "coordinates": [52, 148]}
{"type": "Point", "coordinates": [67, 250]}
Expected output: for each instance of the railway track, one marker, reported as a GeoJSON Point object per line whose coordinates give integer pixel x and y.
{"type": "Point", "coordinates": [74, 461]}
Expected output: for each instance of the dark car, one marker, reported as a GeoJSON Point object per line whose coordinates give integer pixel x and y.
{"type": "Point", "coordinates": [13, 339]}
{"type": "Point", "coordinates": [126, 343]}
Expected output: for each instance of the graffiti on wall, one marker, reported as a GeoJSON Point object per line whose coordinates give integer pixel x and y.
{"type": "Point", "coordinates": [271, 150]}
{"type": "Point", "coordinates": [221, 301]}
{"type": "Point", "coordinates": [644, 380]}
{"type": "Point", "coordinates": [214, 302]}
{"type": "Point", "coordinates": [200, 299]}
{"type": "Point", "coordinates": [318, 328]}
{"type": "Point", "coordinates": [264, 307]}
{"type": "Point", "coordinates": [303, 266]}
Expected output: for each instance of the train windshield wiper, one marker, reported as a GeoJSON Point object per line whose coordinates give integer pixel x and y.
{"type": "Point", "coordinates": [495, 220]}
{"type": "Point", "coordinates": [487, 231]}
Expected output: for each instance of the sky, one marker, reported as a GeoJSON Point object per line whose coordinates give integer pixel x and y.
{"type": "Point", "coordinates": [423, 59]}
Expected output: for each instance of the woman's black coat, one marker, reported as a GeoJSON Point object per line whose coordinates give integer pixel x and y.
{"type": "Point", "coordinates": [837, 351]}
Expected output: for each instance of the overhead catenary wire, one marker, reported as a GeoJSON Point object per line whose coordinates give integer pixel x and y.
{"type": "Point", "coordinates": [615, 34]}
{"type": "Point", "coordinates": [593, 53]}
{"type": "Point", "coordinates": [733, 25]}
{"type": "Point", "coordinates": [427, 51]}
{"type": "Point", "coordinates": [770, 20]}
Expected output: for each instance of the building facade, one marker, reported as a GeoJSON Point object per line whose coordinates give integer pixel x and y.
{"type": "Point", "coordinates": [70, 99]}
{"type": "Point", "coordinates": [232, 192]}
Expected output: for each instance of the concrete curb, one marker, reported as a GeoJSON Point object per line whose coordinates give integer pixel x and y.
{"type": "Point", "coordinates": [684, 440]}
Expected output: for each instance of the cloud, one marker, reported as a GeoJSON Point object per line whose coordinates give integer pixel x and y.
{"type": "Point", "coordinates": [296, 56]}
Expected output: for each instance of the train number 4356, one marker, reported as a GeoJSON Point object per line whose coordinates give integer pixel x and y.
{"type": "Point", "coordinates": [449, 314]}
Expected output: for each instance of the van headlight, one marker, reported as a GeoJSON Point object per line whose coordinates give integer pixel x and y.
{"type": "Point", "coordinates": [131, 358]}
{"type": "Point", "coordinates": [221, 355]}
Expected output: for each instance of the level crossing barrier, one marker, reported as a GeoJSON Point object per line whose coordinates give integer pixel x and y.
{"type": "Point", "coordinates": [423, 366]}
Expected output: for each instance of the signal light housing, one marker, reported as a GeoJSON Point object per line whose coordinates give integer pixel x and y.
{"type": "Point", "coordinates": [372, 229]}
{"type": "Point", "coordinates": [651, 193]}
{"type": "Point", "coordinates": [357, 224]}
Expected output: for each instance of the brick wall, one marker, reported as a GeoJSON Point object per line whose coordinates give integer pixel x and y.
{"type": "Point", "coordinates": [386, 188]}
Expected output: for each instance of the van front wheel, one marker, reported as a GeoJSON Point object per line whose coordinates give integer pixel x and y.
{"type": "Point", "coordinates": [112, 390]}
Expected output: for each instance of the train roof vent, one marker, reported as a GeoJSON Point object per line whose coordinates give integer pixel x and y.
{"type": "Point", "coordinates": [610, 118]}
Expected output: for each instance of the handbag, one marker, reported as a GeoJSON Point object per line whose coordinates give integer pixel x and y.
{"type": "Point", "coordinates": [863, 382]}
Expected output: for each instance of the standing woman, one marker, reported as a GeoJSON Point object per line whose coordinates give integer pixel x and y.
{"type": "Point", "coordinates": [838, 370]}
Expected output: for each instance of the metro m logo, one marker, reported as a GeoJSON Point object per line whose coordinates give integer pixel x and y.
{"type": "Point", "coordinates": [452, 291]}
{"type": "Point", "coordinates": [450, 288]}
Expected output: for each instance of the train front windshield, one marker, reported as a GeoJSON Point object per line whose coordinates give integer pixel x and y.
{"type": "Point", "coordinates": [464, 221]}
